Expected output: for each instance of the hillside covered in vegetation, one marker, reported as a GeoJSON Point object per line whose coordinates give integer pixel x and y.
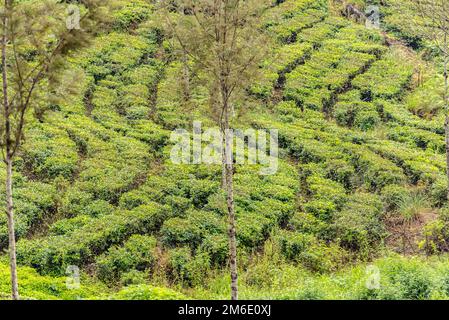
{"type": "Point", "coordinates": [361, 183]}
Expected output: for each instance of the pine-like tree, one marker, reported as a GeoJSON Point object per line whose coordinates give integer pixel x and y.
{"type": "Point", "coordinates": [224, 40]}
{"type": "Point", "coordinates": [36, 35]}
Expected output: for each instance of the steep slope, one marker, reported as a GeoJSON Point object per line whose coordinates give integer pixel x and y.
{"type": "Point", "coordinates": [96, 188]}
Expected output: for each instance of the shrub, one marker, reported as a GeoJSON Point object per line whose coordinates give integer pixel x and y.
{"type": "Point", "coordinates": [438, 192]}
{"type": "Point", "coordinates": [392, 196]}
{"type": "Point", "coordinates": [437, 234]}
{"type": "Point", "coordinates": [308, 251]}
{"type": "Point", "coordinates": [413, 283]}
{"type": "Point", "coordinates": [74, 202]}
{"type": "Point", "coordinates": [217, 247]}
{"type": "Point", "coordinates": [192, 229]}
{"type": "Point", "coordinates": [252, 229]}
{"type": "Point", "coordinates": [137, 253]}
{"type": "Point", "coordinates": [367, 119]}
{"type": "Point", "coordinates": [131, 14]}
{"type": "Point", "coordinates": [340, 171]}
{"type": "Point", "coordinates": [307, 223]}
{"type": "Point", "coordinates": [358, 225]}
{"type": "Point", "coordinates": [322, 209]}
{"type": "Point", "coordinates": [187, 269]}
{"type": "Point", "coordinates": [66, 226]}
{"type": "Point", "coordinates": [292, 244]}
{"type": "Point", "coordinates": [146, 292]}
{"type": "Point", "coordinates": [200, 191]}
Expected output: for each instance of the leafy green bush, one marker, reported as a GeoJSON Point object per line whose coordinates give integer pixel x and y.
{"type": "Point", "coordinates": [33, 286]}
{"type": "Point", "coordinates": [146, 292]}
{"type": "Point", "coordinates": [192, 229]}
{"type": "Point", "coordinates": [53, 254]}
{"type": "Point", "coordinates": [187, 269]}
{"type": "Point", "coordinates": [137, 253]}
{"type": "Point", "coordinates": [131, 14]}
{"type": "Point", "coordinates": [66, 226]}
{"type": "Point", "coordinates": [392, 196]}
{"type": "Point", "coordinates": [358, 225]}
{"type": "Point", "coordinates": [308, 251]}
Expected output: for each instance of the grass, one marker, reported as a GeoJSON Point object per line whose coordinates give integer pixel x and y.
{"type": "Point", "coordinates": [411, 206]}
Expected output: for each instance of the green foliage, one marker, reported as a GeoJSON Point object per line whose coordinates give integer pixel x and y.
{"type": "Point", "coordinates": [308, 251]}
{"type": "Point", "coordinates": [34, 286]}
{"type": "Point", "coordinates": [131, 14]}
{"type": "Point", "coordinates": [392, 68]}
{"type": "Point", "coordinates": [358, 226]}
{"type": "Point", "coordinates": [53, 254]}
{"type": "Point", "coordinates": [145, 292]}
{"type": "Point", "coordinates": [393, 196]}
{"type": "Point", "coordinates": [187, 269]}
{"type": "Point", "coordinates": [137, 253]}
{"type": "Point", "coordinates": [355, 138]}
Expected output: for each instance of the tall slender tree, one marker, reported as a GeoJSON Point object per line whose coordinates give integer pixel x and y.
{"type": "Point", "coordinates": [35, 37]}
{"type": "Point", "coordinates": [430, 20]}
{"type": "Point", "coordinates": [223, 38]}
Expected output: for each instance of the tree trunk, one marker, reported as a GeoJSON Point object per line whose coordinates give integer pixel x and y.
{"type": "Point", "coordinates": [11, 232]}
{"type": "Point", "coordinates": [229, 183]}
{"type": "Point", "coordinates": [223, 163]}
{"type": "Point", "coordinates": [446, 110]}
{"type": "Point", "coordinates": [8, 162]}
{"type": "Point", "coordinates": [185, 79]}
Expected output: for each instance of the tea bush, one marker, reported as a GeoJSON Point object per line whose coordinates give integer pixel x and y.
{"type": "Point", "coordinates": [136, 253]}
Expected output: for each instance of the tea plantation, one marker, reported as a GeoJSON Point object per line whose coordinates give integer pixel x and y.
{"type": "Point", "coordinates": [361, 183]}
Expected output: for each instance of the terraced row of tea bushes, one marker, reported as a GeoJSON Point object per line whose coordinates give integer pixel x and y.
{"type": "Point", "coordinates": [131, 13]}
{"type": "Point", "coordinates": [80, 246]}
{"type": "Point", "coordinates": [306, 250]}
{"type": "Point", "coordinates": [417, 138]}
{"type": "Point", "coordinates": [421, 167]}
{"type": "Point", "coordinates": [261, 204]}
{"type": "Point", "coordinates": [319, 244]}
{"type": "Point", "coordinates": [171, 111]}
{"type": "Point", "coordinates": [284, 16]}
{"type": "Point", "coordinates": [49, 152]}
{"type": "Point", "coordinates": [288, 29]}
{"type": "Point", "coordinates": [123, 74]}
{"type": "Point", "coordinates": [367, 105]}
{"type": "Point", "coordinates": [311, 139]}
{"type": "Point", "coordinates": [387, 79]}
{"type": "Point", "coordinates": [288, 56]}
{"type": "Point", "coordinates": [332, 67]}
{"type": "Point", "coordinates": [397, 18]}
{"type": "Point", "coordinates": [397, 163]}
{"type": "Point", "coordinates": [400, 114]}
{"type": "Point", "coordinates": [34, 201]}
